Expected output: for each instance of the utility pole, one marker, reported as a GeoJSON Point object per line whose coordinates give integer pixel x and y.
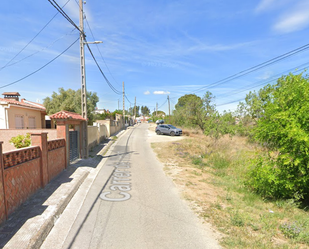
{"type": "Point", "coordinates": [83, 82]}
{"type": "Point", "coordinates": [123, 106]}
{"type": "Point", "coordinates": [157, 109]}
{"type": "Point", "coordinates": [135, 109]}
{"type": "Point", "coordinates": [169, 107]}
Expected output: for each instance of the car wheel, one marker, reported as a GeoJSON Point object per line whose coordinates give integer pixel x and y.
{"type": "Point", "coordinates": [158, 132]}
{"type": "Point", "coordinates": [172, 133]}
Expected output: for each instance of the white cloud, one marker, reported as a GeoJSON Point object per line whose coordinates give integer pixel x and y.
{"type": "Point", "coordinates": [294, 20]}
{"type": "Point", "coordinates": [266, 75]}
{"type": "Point", "coordinates": [147, 93]}
{"type": "Point", "coordinates": [265, 5]}
{"type": "Point", "coordinates": [161, 92]}
{"type": "Point", "coordinates": [291, 15]}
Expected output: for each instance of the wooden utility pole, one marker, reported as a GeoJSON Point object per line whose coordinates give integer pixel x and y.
{"type": "Point", "coordinates": [83, 82]}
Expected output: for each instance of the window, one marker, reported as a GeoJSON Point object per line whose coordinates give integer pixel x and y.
{"type": "Point", "coordinates": [19, 121]}
{"type": "Point", "coordinates": [31, 122]}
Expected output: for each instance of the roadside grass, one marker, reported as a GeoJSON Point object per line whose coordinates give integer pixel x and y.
{"type": "Point", "coordinates": [212, 174]}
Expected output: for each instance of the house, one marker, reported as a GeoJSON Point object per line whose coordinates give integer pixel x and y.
{"type": "Point", "coordinates": [24, 114]}
{"type": "Point", "coordinates": [100, 111]}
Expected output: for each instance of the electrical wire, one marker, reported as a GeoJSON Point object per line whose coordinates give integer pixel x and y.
{"type": "Point", "coordinates": [16, 62]}
{"type": "Point", "coordinates": [107, 81]}
{"type": "Point", "coordinates": [162, 104]}
{"type": "Point", "coordinates": [231, 102]}
{"type": "Point", "coordinates": [101, 53]}
{"type": "Point", "coordinates": [257, 67]}
{"type": "Point", "coordinates": [8, 63]}
{"type": "Point", "coordinates": [62, 12]}
{"type": "Point", "coordinates": [65, 15]}
{"type": "Point", "coordinates": [128, 99]}
{"type": "Point", "coordinates": [41, 67]}
{"type": "Point", "coordinates": [276, 77]}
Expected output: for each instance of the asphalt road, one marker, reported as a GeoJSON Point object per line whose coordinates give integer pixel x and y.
{"type": "Point", "coordinates": [128, 202]}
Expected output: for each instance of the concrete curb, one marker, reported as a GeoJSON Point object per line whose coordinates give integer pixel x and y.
{"type": "Point", "coordinates": [35, 230]}
{"type": "Point", "coordinates": [38, 238]}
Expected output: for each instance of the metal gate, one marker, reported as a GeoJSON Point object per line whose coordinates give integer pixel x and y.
{"type": "Point", "coordinates": [73, 145]}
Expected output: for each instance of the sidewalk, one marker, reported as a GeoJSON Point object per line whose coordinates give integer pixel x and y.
{"type": "Point", "coordinates": [29, 225]}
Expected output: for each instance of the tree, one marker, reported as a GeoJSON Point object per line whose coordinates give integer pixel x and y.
{"type": "Point", "coordinates": [255, 102]}
{"type": "Point", "coordinates": [284, 129]}
{"type": "Point", "coordinates": [131, 111]}
{"type": "Point", "coordinates": [191, 110]}
{"type": "Point", "coordinates": [145, 110]}
{"type": "Point", "coordinates": [158, 113]}
{"type": "Point", "coordinates": [188, 111]}
{"type": "Point", "coordinates": [70, 100]}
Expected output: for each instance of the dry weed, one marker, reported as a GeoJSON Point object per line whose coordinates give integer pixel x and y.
{"type": "Point", "coordinates": [210, 175]}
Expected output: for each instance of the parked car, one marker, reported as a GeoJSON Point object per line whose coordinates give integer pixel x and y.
{"type": "Point", "coordinates": [168, 129]}
{"type": "Point", "coordinates": [160, 121]}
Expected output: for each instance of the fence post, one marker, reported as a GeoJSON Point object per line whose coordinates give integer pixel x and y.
{"type": "Point", "coordinates": [40, 139]}
{"type": "Point", "coordinates": [3, 204]}
{"type": "Point", "coordinates": [63, 132]}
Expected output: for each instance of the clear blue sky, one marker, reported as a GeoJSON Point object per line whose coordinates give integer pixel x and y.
{"type": "Point", "coordinates": [158, 48]}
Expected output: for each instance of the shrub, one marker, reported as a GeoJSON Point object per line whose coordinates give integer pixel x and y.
{"type": "Point", "coordinates": [284, 128]}
{"type": "Point", "coordinates": [21, 141]}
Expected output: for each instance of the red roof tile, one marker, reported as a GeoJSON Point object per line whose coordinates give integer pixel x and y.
{"type": "Point", "coordinates": [11, 93]}
{"type": "Point", "coordinates": [67, 115]}
{"type": "Point", "coordinates": [15, 102]}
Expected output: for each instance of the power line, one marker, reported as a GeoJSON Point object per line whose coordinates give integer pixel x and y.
{"type": "Point", "coordinates": [162, 104]}
{"type": "Point", "coordinates": [14, 63]}
{"type": "Point", "coordinates": [65, 15]}
{"type": "Point", "coordinates": [7, 64]}
{"type": "Point", "coordinates": [128, 100]}
{"type": "Point", "coordinates": [62, 12]}
{"type": "Point", "coordinates": [276, 77]}
{"type": "Point", "coordinates": [41, 67]}
{"type": "Point", "coordinates": [100, 52]}
{"type": "Point", "coordinates": [257, 67]}
{"type": "Point", "coordinates": [107, 81]}
{"type": "Point", "coordinates": [231, 102]}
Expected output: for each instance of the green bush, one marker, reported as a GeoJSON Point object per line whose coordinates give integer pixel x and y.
{"type": "Point", "coordinates": [21, 141]}
{"type": "Point", "coordinates": [284, 128]}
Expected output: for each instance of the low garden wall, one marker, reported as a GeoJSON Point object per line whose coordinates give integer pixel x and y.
{"type": "Point", "coordinates": [24, 171]}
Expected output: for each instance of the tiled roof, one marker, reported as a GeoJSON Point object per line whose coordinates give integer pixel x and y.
{"type": "Point", "coordinates": [11, 93]}
{"type": "Point", "coordinates": [67, 115]}
{"type": "Point", "coordinates": [15, 102]}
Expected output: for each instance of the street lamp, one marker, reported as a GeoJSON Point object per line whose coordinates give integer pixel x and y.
{"type": "Point", "coordinates": [95, 42]}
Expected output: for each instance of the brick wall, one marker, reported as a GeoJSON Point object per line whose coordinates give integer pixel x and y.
{"type": "Point", "coordinates": [56, 156]}
{"type": "Point", "coordinates": [3, 214]}
{"type": "Point", "coordinates": [24, 171]}
{"type": "Point", "coordinates": [21, 182]}
{"type": "Point", "coordinates": [7, 134]}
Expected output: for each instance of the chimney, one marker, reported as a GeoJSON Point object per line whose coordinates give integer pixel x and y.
{"type": "Point", "coordinates": [11, 95]}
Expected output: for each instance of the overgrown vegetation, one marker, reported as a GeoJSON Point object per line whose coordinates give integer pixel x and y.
{"type": "Point", "coordinates": [255, 193]}
{"type": "Point", "coordinates": [275, 117]}
{"type": "Point", "coordinates": [21, 141]}
{"type": "Point", "coordinates": [213, 175]}
{"type": "Point", "coordinates": [283, 128]}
